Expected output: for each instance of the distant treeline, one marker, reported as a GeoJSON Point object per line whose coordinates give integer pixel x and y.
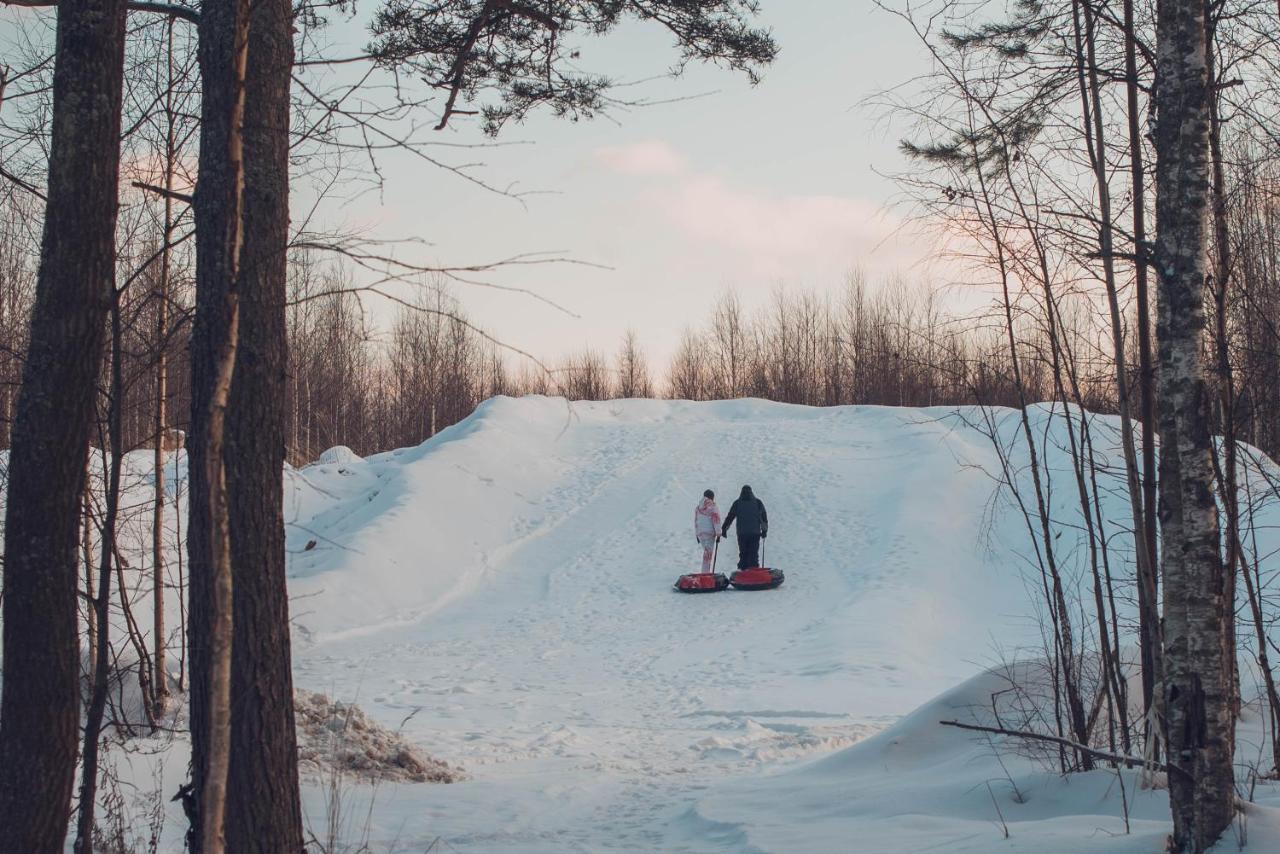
{"type": "Point", "coordinates": [889, 343]}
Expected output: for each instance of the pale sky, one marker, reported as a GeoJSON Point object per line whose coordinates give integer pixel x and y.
{"type": "Point", "coordinates": [745, 187]}
{"type": "Point", "coordinates": [742, 187]}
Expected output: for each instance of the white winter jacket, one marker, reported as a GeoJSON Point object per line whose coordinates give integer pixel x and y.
{"type": "Point", "coordinates": [706, 518]}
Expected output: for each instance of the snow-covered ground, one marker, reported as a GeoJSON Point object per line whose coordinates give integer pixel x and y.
{"type": "Point", "coordinates": [504, 591]}
{"type": "Point", "coordinates": [502, 594]}
{"type": "Point", "coordinates": [510, 582]}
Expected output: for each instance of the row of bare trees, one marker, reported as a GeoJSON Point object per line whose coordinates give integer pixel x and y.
{"type": "Point", "coordinates": [1046, 141]}
{"type": "Point", "coordinates": [369, 385]}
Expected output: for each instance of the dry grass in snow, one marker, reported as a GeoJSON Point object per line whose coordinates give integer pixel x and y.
{"type": "Point", "coordinates": [336, 736]}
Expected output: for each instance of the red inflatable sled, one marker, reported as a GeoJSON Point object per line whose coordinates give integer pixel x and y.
{"type": "Point", "coordinates": [702, 582]}
{"type": "Point", "coordinates": [758, 578]}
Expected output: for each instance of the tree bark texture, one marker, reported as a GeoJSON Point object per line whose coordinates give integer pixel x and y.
{"type": "Point", "coordinates": [263, 811]}
{"type": "Point", "coordinates": [1149, 633]}
{"type": "Point", "coordinates": [1201, 728]}
{"type": "Point", "coordinates": [39, 711]}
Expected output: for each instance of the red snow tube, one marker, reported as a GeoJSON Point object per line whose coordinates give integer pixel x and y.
{"type": "Point", "coordinates": [760, 578]}
{"type": "Point", "coordinates": [702, 582]}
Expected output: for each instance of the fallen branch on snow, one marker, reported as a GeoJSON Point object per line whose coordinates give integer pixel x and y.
{"type": "Point", "coordinates": [1105, 755]}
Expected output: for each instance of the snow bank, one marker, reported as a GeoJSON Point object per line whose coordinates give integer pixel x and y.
{"type": "Point", "coordinates": [918, 785]}
{"type": "Point", "coordinates": [401, 534]}
{"type": "Point", "coordinates": [338, 455]}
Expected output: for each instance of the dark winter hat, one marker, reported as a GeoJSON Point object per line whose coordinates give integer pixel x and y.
{"type": "Point", "coordinates": [746, 492]}
{"type": "Point", "coordinates": [708, 494]}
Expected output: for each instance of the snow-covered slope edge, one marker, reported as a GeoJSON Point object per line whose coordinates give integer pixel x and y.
{"type": "Point", "coordinates": [501, 596]}
{"type": "Point", "coordinates": [919, 786]}
{"type": "Point", "coordinates": [394, 537]}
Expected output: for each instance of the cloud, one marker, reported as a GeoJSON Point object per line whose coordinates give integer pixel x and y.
{"type": "Point", "coordinates": [799, 235]}
{"type": "Point", "coordinates": [711, 209]}
{"type": "Point", "coordinates": [647, 157]}
{"type": "Point", "coordinates": [744, 230]}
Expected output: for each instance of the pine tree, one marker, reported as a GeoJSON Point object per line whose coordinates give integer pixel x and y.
{"type": "Point", "coordinates": [40, 709]}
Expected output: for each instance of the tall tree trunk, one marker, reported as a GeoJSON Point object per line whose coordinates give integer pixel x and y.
{"type": "Point", "coordinates": [1095, 138]}
{"type": "Point", "coordinates": [1091, 95]}
{"type": "Point", "coordinates": [182, 586]}
{"type": "Point", "coordinates": [1226, 381]}
{"type": "Point", "coordinates": [161, 676]}
{"type": "Point", "coordinates": [40, 709]}
{"type": "Point", "coordinates": [223, 50]}
{"type": "Point", "coordinates": [1201, 726]}
{"type": "Point", "coordinates": [1149, 633]}
{"type": "Point", "coordinates": [86, 547]}
{"type": "Point", "coordinates": [263, 811]}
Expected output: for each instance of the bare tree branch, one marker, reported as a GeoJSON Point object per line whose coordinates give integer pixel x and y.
{"type": "Point", "coordinates": [186, 13]}
{"type": "Point", "coordinates": [1104, 755]}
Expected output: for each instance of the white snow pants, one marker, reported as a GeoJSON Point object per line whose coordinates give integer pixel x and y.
{"type": "Point", "coordinates": [708, 550]}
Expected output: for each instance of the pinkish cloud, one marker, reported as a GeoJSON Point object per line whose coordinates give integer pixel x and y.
{"type": "Point", "coordinates": [711, 209]}
{"type": "Point", "coordinates": [783, 235]}
{"type": "Point", "coordinates": [647, 157]}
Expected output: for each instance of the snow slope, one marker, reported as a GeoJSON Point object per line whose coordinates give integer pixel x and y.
{"type": "Point", "coordinates": [503, 593]}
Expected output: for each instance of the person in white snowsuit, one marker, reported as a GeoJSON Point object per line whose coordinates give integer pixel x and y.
{"type": "Point", "coordinates": [706, 526]}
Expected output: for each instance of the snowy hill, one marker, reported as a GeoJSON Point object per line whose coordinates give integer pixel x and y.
{"type": "Point", "coordinates": [501, 595]}
{"type": "Point", "coordinates": [532, 514]}
{"type": "Point", "coordinates": [504, 590]}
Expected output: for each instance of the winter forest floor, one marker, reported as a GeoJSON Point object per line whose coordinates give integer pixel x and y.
{"type": "Point", "coordinates": [502, 597]}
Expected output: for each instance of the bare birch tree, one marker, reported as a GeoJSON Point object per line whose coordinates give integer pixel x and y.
{"type": "Point", "coordinates": [1197, 689]}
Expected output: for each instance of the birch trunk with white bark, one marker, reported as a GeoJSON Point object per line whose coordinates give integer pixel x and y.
{"type": "Point", "coordinates": [1200, 723]}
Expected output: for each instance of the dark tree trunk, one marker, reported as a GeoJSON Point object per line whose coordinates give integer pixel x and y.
{"type": "Point", "coordinates": [159, 633]}
{"type": "Point", "coordinates": [263, 811]}
{"type": "Point", "coordinates": [263, 807]}
{"type": "Point", "coordinates": [1201, 725]}
{"type": "Point", "coordinates": [39, 715]}
{"type": "Point", "coordinates": [1149, 640]}
{"type": "Point", "coordinates": [212, 205]}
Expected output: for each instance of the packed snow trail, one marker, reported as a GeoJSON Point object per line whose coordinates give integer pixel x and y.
{"type": "Point", "coordinates": [505, 591]}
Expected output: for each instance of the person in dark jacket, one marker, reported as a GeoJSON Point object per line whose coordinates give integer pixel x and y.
{"type": "Point", "coordinates": [753, 526]}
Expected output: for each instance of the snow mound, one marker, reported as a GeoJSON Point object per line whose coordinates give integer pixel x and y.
{"type": "Point", "coordinates": [502, 593]}
{"type": "Point", "coordinates": [339, 455]}
{"type": "Point", "coordinates": [919, 785]}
